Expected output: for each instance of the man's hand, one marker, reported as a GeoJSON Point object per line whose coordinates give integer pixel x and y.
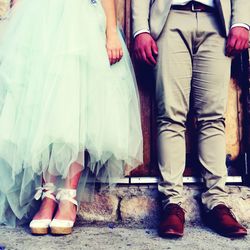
{"type": "Point", "coordinates": [237, 41]}
{"type": "Point", "coordinates": [146, 49]}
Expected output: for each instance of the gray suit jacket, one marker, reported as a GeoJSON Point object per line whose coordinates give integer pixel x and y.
{"type": "Point", "coordinates": [152, 14]}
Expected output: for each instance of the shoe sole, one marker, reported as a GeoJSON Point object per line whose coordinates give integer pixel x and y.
{"type": "Point", "coordinates": [228, 235]}
{"type": "Point", "coordinates": [61, 230]}
{"type": "Point", "coordinates": [39, 231]}
{"type": "Point", "coordinates": [233, 235]}
{"type": "Point", "coordinates": [171, 234]}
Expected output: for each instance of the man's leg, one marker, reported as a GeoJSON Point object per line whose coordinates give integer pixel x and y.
{"type": "Point", "coordinates": [211, 74]}
{"type": "Point", "coordinates": [173, 85]}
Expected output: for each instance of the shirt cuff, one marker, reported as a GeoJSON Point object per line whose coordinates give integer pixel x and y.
{"type": "Point", "coordinates": [140, 32]}
{"type": "Point", "coordinates": [243, 25]}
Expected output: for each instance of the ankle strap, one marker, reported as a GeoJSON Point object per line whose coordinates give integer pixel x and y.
{"type": "Point", "coordinates": [67, 195]}
{"type": "Point", "coordinates": [46, 191]}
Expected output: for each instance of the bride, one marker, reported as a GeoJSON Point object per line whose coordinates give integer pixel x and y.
{"type": "Point", "coordinates": [67, 89]}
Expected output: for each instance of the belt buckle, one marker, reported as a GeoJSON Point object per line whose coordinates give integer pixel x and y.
{"type": "Point", "coordinates": [193, 9]}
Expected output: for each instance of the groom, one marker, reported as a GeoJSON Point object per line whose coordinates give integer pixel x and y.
{"type": "Point", "coordinates": [190, 45]}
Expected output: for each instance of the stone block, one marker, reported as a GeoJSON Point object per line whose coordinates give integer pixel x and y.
{"type": "Point", "coordinates": [142, 210]}
{"type": "Point", "coordinates": [104, 208]}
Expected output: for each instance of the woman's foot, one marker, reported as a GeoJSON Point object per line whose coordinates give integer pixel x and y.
{"type": "Point", "coordinates": [66, 211]}
{"type": "Point", "coordinates": [46, 210]}
{"type": "Point", "coordinates": [40, 223]}
{"type": "Point", "coordinates": [65, 217]}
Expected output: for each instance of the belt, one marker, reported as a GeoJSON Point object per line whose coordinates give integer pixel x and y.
{"type": "Point", "coordinates": [194, 7]}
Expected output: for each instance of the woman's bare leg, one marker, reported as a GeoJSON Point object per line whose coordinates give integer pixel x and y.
{"type": "Point", "coordinates": [67, 210]}
{"type": "Point", "coordinates": [48, 206]}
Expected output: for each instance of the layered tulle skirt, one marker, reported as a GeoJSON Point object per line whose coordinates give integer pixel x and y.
{"type": "Point", "coordinates": [60, 100]}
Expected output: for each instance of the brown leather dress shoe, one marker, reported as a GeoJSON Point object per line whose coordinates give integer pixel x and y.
{"type": "Point", "coordinates": [222, 221]}
{"type": "Point", "coordinates": [172, 222]}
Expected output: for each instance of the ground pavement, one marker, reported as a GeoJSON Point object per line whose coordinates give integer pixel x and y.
{"type": "Point", "coordinates": [114, 237]}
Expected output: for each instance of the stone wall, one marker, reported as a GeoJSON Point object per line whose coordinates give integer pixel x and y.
{"type": "Point", "coordinates": [139, 206]}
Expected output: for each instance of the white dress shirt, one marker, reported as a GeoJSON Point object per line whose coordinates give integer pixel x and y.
{"type": "Point", "coordinates": [183, 2]}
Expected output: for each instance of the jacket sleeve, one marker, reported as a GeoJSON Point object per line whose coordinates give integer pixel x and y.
{"type": "Point", "coordinates": [240, 12]}
{"type": "Point", "coordinates": [140, 15]}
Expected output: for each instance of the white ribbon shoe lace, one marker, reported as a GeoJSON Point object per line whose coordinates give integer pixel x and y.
{"type": "Point", "coordinates": [46, 191]}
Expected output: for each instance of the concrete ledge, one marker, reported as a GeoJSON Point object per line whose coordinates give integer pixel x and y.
{"type": "Point", "coordinates": [139, 205]}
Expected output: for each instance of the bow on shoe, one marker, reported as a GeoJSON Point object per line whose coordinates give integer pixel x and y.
{"type": "Point", "coordinates": [68, 195]}
{"type": "Point", "coordinates": [46, 190]}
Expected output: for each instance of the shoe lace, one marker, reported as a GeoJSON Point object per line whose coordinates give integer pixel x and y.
{"type": "Point", "coordinates": [68, 195]}
{"type": "Point", "coordinates": [47, 190]}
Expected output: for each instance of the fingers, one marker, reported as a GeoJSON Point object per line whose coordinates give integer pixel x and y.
{"type": "Point", "coordinates": [142, 55]}
{"type": "Point", "coordinates": [120, 54]}
{"type": "Point", "coordinates": [230, 45]}
{"type": "Point", "coordinates": [237, 41]}
{"type": "Point", "coordinates": [114, 48]}
{"type": "Point", "coordinates": [239, 46]}
{"type": "Point", "coordinates": [236, 46]}
{"type": "Point", "coordinates": [137, 55]}
{"type": "Point", "coordinates": [115, 55]}
{"type": "Point", "coordinates": [154, 48]}
{"type": "Point", "coordinates": [246, 45]}
{"type": "Point", "coordinates": [145, 57]}
{"type": "Point", "coordinates": [145, 49]}
{"type": "Point", "coordinates": [150, 58]}
{"type": "Point", "coordinates": [110, 55]}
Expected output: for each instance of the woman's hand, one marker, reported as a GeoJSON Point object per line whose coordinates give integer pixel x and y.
{"type": "Point", "coordinates": [114, 47]}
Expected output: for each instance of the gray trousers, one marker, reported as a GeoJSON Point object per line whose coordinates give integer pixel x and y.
{"type": "Point", "coordinates": [192, 71]}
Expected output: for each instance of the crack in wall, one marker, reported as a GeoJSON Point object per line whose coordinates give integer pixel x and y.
{"type": "Point", "coordinates": [118, 211]}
